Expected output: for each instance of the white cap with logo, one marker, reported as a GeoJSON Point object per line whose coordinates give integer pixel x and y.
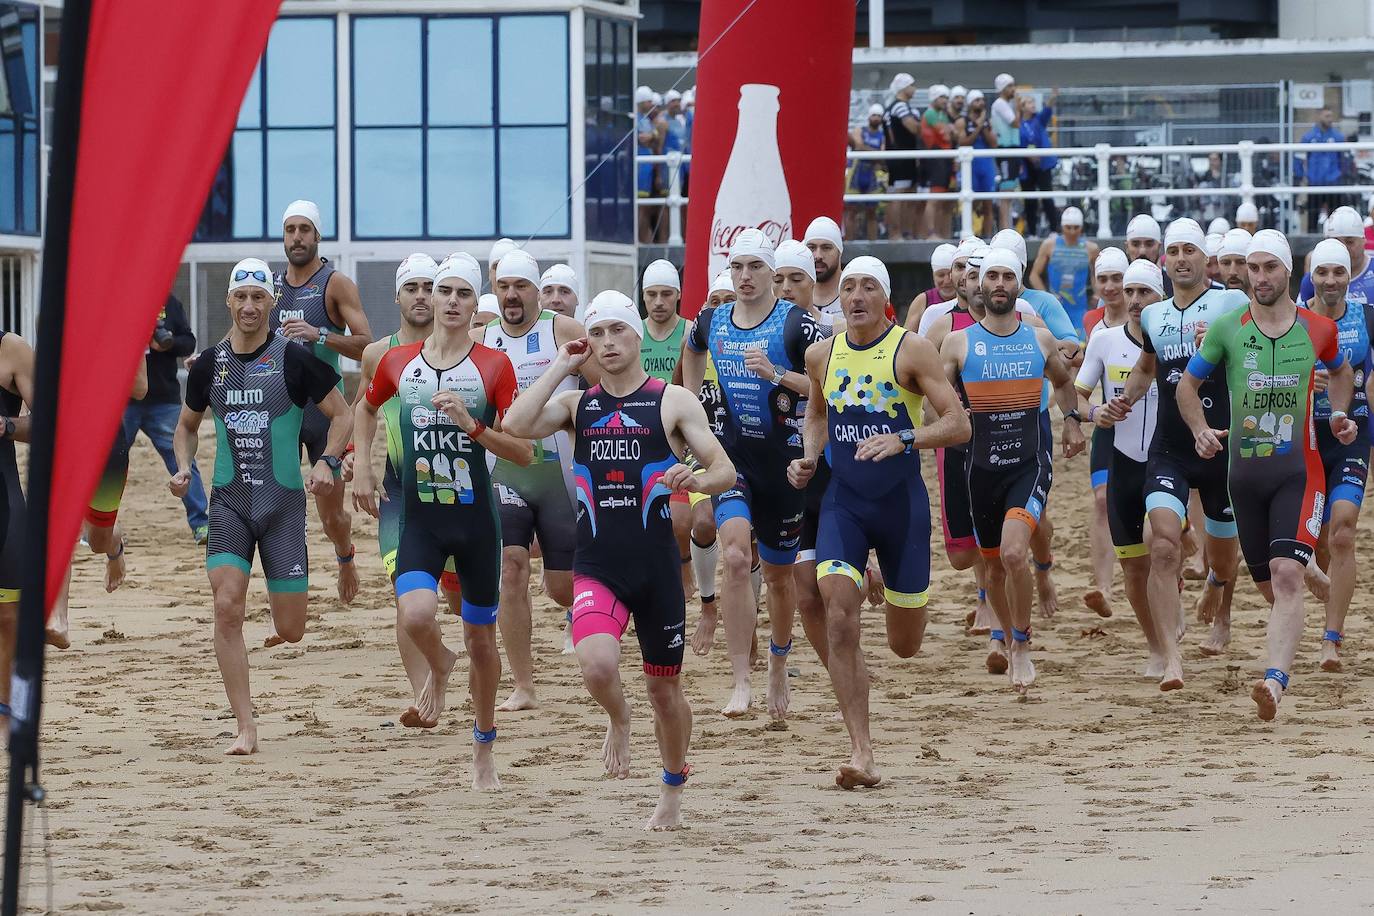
{"type": "Point", "coordinates": [1343, 223]}
{"type": "Point", "coordinates": [1271, 242]}
{"type": "Point", "coordinates": [560, 275]}
{"type": "Point", "coordinates": [1234, 244]}
{"type": "Point", "coordinates": [1143, 226]}
{"type": "Point", "coordinates": [419, 266]}
{"type": "Point", "coordinates": [1145, 273]}
{"type": "Point", "coordinates": [752, 243]}
{"type": "Point", "coordinates": [462, 266]}
{"type": "Point", "coordinates": [868, 266]}
{"type": "Point", "coordinates": [518, 265]}
{"type": "Point", "coordinates": [612, 306]}
{"type": "Point", "coordinates": [793, 255]}
{"type": "Point", "coordinates": [252, 272]}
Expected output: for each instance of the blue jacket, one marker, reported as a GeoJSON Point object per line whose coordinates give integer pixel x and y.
{"type": "Point", "coordinates": [1320, 168]}
{"type": "Point", "coordinates": [1035, 133]}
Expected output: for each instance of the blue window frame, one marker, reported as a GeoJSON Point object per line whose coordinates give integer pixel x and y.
{"type": "Point", "coordinates": [610, 187]}
{"type": "Point", "coordinates": [460, 126]}
{"type": "Point", "coordinates": [20, 114]}
{"type": "Point", "coordinates": [285, 139]}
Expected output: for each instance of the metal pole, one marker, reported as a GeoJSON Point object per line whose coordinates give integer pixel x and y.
{"type": "Point", "coordinates": [877, 29]}
{"type": "Point", "coordinates": [1247, 171]}
{"type": "Point", "coordinates": [966, 190]}
{"type": "Point", "coordinates": [674, 197]}
{"type": "Point", "coordinates": [26, 698]}
{"type": "Point", "coordinates": [1104, 187]}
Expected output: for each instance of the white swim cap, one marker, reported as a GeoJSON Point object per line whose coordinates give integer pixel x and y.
{"type": "Point", "coordinates": [942, 258]}
{"type": "Point", "coordinates": [974, 96]}
{"type": "Point", "coordinates": [1072, 216]}
{"type": "Point", "coordinates": [939, 90]}
{"type": "Point", "coordinates": [462, 266]}
{"type": "Point", "coordinates": [418, 266]}
{"type": "Point", "coordinates": [875, 109]}
{"type": "Point", "coordinates": [752, 243]}
{"type": "Point", "coordinates": [957, 92]}
{"type": "Point", "coordinates": [1110, 261]}
{"type": "Point", "coordinates": [1218, 226]}
{"type": "Point", "coordinates": [1141, 272]}
{"type": "Point", "coordinates": [792, 254]}
{"type": "Point", "coordinates": [1330, 252]}
{"type": "Point", "coordinates": [661, 273]}
{"type": "Point", "coordinates": [643, 94]}
{"type": "Point", "coordinates": [306, 208]}
{"type": "Point", "coordinates": [824, 229]}
{"type": "Point", "coordinates": [902, 81]}
{"type": "Point", "coordinates": [1212, 244]}
{"type": "Point", "coordinates": [1247, 213]}
{"type": "Point", "coordinates": [722, 283]}
{"type": "Point", "coordinates": [1185, 231]}
{"type": "Point", "coordinates": [1011, 240]}
{"type": "Point", "coordinates": [1234, 243]}
{"type": "Point", "coordinates": [672, 95]}
{"type": "Point", "coordinates": [518, 265]}
{"type": "Point", "coordinates": [1000, 257]}
{"type": "Point", "coordinates": [1344, 222]}
{"type": "Point", "coordinates": [868, 266]}
{"type": "Point", "coordinates": [1002, 81]}
{"type": "Point", "coordinates": [499, 249]}
{"type": "Point", "coordinates": [252, 272]}
{"type": "Point", "coordinates": [1143, 226]}
{"type": "Point", "coordinates": [1271, 242]}
{"type": "Point", "coordinates": [612, 306]}
{"type": "Point", "coordinates": [967, 247]}
{"type": "Point", "coordinates": [561, 275]}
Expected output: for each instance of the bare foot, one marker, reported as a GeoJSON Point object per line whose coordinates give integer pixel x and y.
{"type": "Point", "coordinates": [1209, 601]}
{"type": "Point", "coordinates": [984, 619]}
{"type": "Point", "coordinates": [615, 751]}
{"type": "Point", "coordinates": [1220, 637]}
{"type": "Point", "coordinates": [1172, 678]}
{"type": "Point", "coordinates": [874, 584]}
{"type": "Point", "coordinates": [740, 701]}
{"type": "Point", "coordinates": [704, 636]}
{"type": "Point", "coordinates": [853, 776]}
{"type": "Point", "coordinates": [1318, 583]}
{"type": "Point", "coordinates": [779, 693]}
{"type": "Point", "coordinates": [668, 814]}
{"type": "Point", "coordinates": [1154, 668]}
{"type": "Point", "coordinates": [246, 743]}
{"type": "Point", "coordinates": [431, 705]}
{"type": "Point", "coordinates": [348, 580]}
{"type": "Point", "coordinates": [1022, 668]}
{"type": "Point", "coordinates": [520, 698]}
{"type": "Point", "coordinates": [484, 778]}
{"type": "Point", "coordinates": [272, 638]}
{"type": "Point", "coordinates": [57, 638]}
{"type": "Point", "coordinates": [1266, 699]}
{"type": "Point", "coordinates": [1098, 603]}
{"type": "Point", "coordinates": [1045, 593]}
{"type": "Point", "coordinates": [756, 661]}
{"type": "Point", "coordinates": [1331, 656]}
{"type": "Point", "coordinates": [114, 569]}
{"type": "Point", "coordinates": [410, 718]}
{"type": "Point", "coordinates": [997, 656]}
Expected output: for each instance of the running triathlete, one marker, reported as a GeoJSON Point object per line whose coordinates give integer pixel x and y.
{"type": "Point", "coordinates": [1231, 271]}
{"type": "Point", "coordinates": [1347, 227]}
{"type": "Point", "coordinates": [633, 434]}
{"type": "Point", "coordinates": [1112, 352]}
{"type": "Point", "coordinates": [758, 344]}
{"type": "Point", "coordinates": [1170, 331]}
{"type": "Point", "coordinates": [865, 412]}
{"type": "Point", "coordinates": [1346, 466]}
{"type": "Point", "coordinates": [16, 392]}
{"type": "Point", "coordinates": [320, 308]}
{"type": "Point", "coordinates": [257, 384]}
{"type": "Point", "coordinates": [488, 305]}
{"type": "Point", "coordinates": [1271, 350]}
{"type": "Point", "coordinates": [941, 262]}
{"type": "Point", "coordinates": [453, 392]}
{"type": "Point", "coordinates": [101, 528]}
{"type": "Point", "coordinates": [1064, 266]}
{"type": "Point", "coordinates": [534, 501]}
{"type": "Point", "coordinates": [1000, 365]}
{"type": "Point", "coordinates": [826, 244]}
{"type": "Point", "coordinates": [559, 291]}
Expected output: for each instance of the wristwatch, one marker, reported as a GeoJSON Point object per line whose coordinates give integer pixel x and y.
{"type": "Point", "coordinates": [779, 373]}
{"type": "Point", "coordinates": [908, 437]}
{"type": "Point", "coordinates": [1073, 415]}
{"type": "Point", "coordinates": [324, 335]}
{"type": "Point", "coordinates": [335, 464]}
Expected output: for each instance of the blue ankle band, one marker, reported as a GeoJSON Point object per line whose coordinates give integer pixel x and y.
{"type": "Point", "coordinates": [999, 635]}
{"type": "Point", "coordinates": [1045, 566]}
{"type": "Point", "coordinates": [780, 651]}
{"type": "Point", "coordinates": [482, 737]}
{"type": "Point", "coordinates": [1274, 674]}
{"type": "Point", "coordinates": [674, 779]}
{"type": "Point", "coordinates": [1333, 636]}
{"type": "Point", "coordinates": [1213, 581]}
{"type": "Point", "coordinates": [1020, 635]}
{"type": "Point", "coordinates": [569, 615]}
{"type": "Point", "coordinates": [982, 594]}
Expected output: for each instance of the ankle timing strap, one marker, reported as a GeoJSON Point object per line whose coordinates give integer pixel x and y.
{"type": "Point", "coordinates": [780, 651]}
{"type": "Point", "coordinates": [1020, 635]}
{"type": "Point", "coordinates": [1333, 636]}
{"type": "Point", "coordinates": [482, 737]}
{"type": "Point", "coordinates": [676, 779]}
{"type": "Point", "coordinates": [1274, 674]}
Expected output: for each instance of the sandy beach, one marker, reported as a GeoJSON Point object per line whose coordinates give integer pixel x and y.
{"type": "Point", "coordinates": [1099, 794]}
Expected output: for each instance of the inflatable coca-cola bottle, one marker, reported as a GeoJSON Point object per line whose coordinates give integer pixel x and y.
{"type": "Point", "coordinates": [753, 191]}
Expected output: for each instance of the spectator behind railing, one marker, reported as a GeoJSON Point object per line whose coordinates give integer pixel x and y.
{"type": "Point", "coordinates": [865, 178]}
{"type": "Point", "coordinates": [975, 129]}
{"type": "Point", "coordinates": [1006, 125]}
{"type": "Point", "coordinates": [904, 220]}
{"type": "Point", "coordinates": [937, 132]}
{"type": "Point", "coordinates": [1039, 173]}
{"type": "Point", "coordinates": [646, 183]}
{"type": "Point", "coordinates": [1320, 169]}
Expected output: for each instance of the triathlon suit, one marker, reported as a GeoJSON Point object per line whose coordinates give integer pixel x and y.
{"type": "Point", "coordinates": [626, 565]}
{"type": "Point", "coordinates": [1051, 311]}
{"type": "Point", "coordinates": [1009, 468]}
{"type": "Point", "coordinates": [535, 500]}
{"type": "Point", "coordinates": [1066, 274]}
{"type": "Point", "coordinates": [1109, 358]}
{"type": "Point", "coordinates": [1275, 465]}
{"type": "Point", "coordinates": [882, 505]}
{"type": "Point", "coordinates": [1100, 451]}
{"type": "Point", "coordinates": [12, 553]}
{"type": "Point", "coordinates": [447, 503]}
{"type": "Point", "coordinates": [761, 434]}
{"type": "Point", "coordinates": [1170, 334]}
{"type": "Point", "coordinates": [308, 303]}
{"type": "Point", "coordinates": [864, 179]}
{"type": "Point", "coordinates": [820, 480]}
{"type": "Point", "coordinates": [901, 173]}
{"type": "Point", "coordinates": [1361, 287]}
{"type": "Point", "coordinates": [103, 509]}
{"type": "Point", "coordinates": [713, 402]}
{"type": "Point", "coordinates": [258, 499]}
{"type": "Point", "coordinates": [832, 310]}
{"type": "Point", "coordinates": [951, 467]}
{"type": "Point", "coordinates": [1347, 466]}
{"type": "Point", "coordinates": [660, 356]}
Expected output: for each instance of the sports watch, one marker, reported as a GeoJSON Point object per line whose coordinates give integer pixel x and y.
{"type": "Point", "coordinates": [779, 373]}
{"type": "Point", "coordinates": [324, 335]}
{"type": "Point", "coordinates": [335, 464]}
{"type": "Point", "coordinates": [908, 437]}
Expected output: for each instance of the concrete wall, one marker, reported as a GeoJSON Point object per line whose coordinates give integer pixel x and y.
{"type": "Point", "coordinates": [1326, 18]}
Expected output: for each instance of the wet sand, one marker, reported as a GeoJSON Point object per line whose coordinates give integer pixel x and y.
{"type": "Point", "coordinates": [1098, 794]}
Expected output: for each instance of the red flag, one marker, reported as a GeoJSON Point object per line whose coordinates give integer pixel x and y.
{"type": "Point", "coordinates": [163, 84]}
{"type": "Point", "coordinates": [768, 142]}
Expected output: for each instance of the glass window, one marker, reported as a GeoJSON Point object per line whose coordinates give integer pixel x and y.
{"type": "Point", "coordinates": [534, 70]}
{"type": "Point", "coordinates": [460, 73]}
{"type": "Point", "coordinates": [609, 167]}
{"type": "Point", "coordinates": [284, 143]}
{"type": "Point", "coordinates": [534, 181]}
{"type": "Point", "coordinates": [386, 71]}
{"type": "Point", "coordinates": [387, 182]}
{"type": "Point", "coordinates": [462, 185]}
{"type": "Point", "coordinates": [19, 119]}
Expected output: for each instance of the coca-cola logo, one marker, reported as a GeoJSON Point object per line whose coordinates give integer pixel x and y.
{"type": "Point", "coordinates": [723, 236]}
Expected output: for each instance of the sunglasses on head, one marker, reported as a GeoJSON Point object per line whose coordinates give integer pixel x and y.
{"type": "Point", "coordinates": [240, 275]}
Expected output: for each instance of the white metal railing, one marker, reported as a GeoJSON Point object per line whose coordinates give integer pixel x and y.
{"type": "Point", "coordinates": [1103, 194]}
